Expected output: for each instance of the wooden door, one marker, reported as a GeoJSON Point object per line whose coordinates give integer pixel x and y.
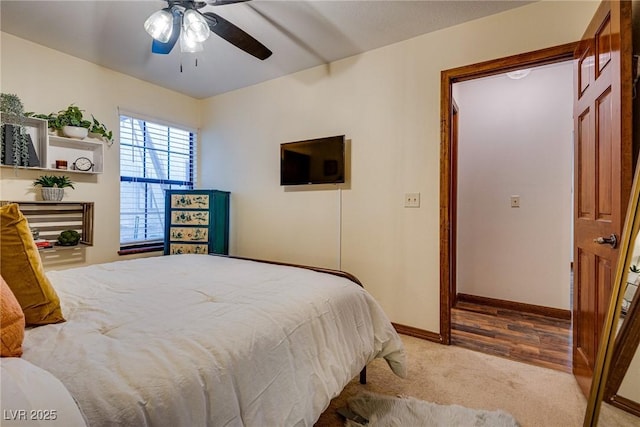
{"type": "Point", "coordinates": [603, 171]}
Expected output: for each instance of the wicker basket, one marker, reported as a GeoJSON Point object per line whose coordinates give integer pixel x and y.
{"type": "Point", "coordinates": [52, 193]}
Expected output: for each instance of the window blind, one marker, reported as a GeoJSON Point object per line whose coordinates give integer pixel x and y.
{"type": "Point", "coordinates": [153, 157]}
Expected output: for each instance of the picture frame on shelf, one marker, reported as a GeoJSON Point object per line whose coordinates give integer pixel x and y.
{"type": "Point", "coordinates": [36, 130]}
{"type": "Point", "coordinates": [11, 146]}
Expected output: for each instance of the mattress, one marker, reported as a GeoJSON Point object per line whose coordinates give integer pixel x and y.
{"type": "Point", "coordinates": [196, 340]}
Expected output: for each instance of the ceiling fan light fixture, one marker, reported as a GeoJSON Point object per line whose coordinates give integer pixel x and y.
{"type": "Point", "coordinates": [160, 25]}
{"type": "Point", "coordinates": [187, 45]}
{"type": "Point", "coordinates": [194, 26]}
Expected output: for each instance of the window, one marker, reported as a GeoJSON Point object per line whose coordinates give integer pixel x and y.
{"type": "Point", "coordinates": [153, 157]}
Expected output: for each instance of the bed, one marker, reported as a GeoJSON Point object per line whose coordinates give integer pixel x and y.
{"type": "Point", "coordinates": [198, 340]}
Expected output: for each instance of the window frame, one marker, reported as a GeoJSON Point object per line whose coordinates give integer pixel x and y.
{"type": "Point", "coordinates": [155, 245]}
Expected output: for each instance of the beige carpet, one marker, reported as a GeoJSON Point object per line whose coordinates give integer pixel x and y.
{"type": "Point", "coordinates": [535, 396]}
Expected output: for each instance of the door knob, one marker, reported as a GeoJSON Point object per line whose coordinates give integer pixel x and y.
{"type": "Point", "coordinates": [611, 240]}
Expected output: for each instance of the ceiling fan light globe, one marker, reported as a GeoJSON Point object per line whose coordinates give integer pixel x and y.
{"type": "Point", "coordinates": [195, 26]}
{"type": "Point", "coordinates": [160, 25]}
{"type": "Point", "coordinates": [188, 45]}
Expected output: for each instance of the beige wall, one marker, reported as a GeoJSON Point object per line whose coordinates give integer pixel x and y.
{"type": "Point", "coordinates": [47, 81]}
{"type": "Point", "coordinates": [516, 138]}
{"type": "Point", "coordinates": [387, 102]}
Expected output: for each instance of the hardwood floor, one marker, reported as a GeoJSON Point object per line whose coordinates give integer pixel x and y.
{"type": "Point", "coordinates": [524, 337]}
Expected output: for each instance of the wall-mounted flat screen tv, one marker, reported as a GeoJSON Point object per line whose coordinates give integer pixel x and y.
{"type": "Point", "coordinates": [314, 161]}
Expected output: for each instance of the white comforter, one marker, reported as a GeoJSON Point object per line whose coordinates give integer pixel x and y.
{"type": "Point", "coordinates": [194, 340]}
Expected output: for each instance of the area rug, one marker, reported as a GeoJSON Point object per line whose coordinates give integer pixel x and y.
{"type": "Point", "coordinates": [387, 411]}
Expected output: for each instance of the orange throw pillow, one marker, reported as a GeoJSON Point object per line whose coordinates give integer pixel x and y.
{"type": "Point", "coordinates": [21, 267]}
{"type": "Point", "coordinates": [11, 323]}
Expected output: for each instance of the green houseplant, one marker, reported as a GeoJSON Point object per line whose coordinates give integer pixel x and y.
{"type": "Point", "coordinates": [72, 123]}
{"type": "Point", "coordinates": [72, 116]}
{"type": "Point", "coordinates": [100, 129]}
{"type": "Point", "coordinates": [53, 186]}
{"type": "Point", "coordinates": [68, 238]}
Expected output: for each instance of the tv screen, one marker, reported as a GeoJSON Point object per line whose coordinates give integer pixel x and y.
{"type": "Point", "coordinates": [314, 161]}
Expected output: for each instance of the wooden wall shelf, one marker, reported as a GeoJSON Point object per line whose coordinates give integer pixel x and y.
{"type": "Point", "coordinates": [51, 218]}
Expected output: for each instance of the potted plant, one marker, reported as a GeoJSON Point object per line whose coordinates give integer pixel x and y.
{"type": "Point", "coordinates": [72, 122]}
{"type": "Point", "coordinates": [14, 146]}
{"type": "Point", "coordinates": [68, 238]}
{"type": "Point", "coordinates": [53, 186]}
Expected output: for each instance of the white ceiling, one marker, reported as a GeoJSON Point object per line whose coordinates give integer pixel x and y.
{"type": "Point", "coordinates": [300, 33]}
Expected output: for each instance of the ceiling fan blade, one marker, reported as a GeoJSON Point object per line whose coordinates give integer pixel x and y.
{"type": "Point", "coordinates": [236, 36]}
{"type": "Point", "coordinates": [164, 48]}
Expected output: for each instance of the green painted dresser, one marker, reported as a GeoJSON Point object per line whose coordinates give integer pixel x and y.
{"type": "Point", "coordinates": [196, 222]}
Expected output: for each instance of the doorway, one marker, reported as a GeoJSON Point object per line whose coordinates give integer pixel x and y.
{"type": "Point", "coordinates": [514, 200]}
{"type": "Point", "coordinates": [449, 161]}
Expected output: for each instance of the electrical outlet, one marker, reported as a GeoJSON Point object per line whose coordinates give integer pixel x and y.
{"type": "Point", "coordinates": [412, 200]}
{"type": "Point", "coordinates": [515, 201]}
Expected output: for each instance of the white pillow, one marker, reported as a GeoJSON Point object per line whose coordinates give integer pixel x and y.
{"type": "Point", "coordinates": [34, 397]}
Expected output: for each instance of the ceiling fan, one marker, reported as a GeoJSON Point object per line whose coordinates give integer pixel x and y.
{"type": "Point", "coordinates": [181, 20]}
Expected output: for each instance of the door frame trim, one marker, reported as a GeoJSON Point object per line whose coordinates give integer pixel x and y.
{"type": "Point", "coordinates": [448, 166]}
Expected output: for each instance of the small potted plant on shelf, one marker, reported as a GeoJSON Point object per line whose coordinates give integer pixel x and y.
{"type": "Point", "coordinates": [53, 186]}
{"type": "Point", "coordinates": [73, 123]}
{"type": "Point", "coordinates": [68, 238]}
